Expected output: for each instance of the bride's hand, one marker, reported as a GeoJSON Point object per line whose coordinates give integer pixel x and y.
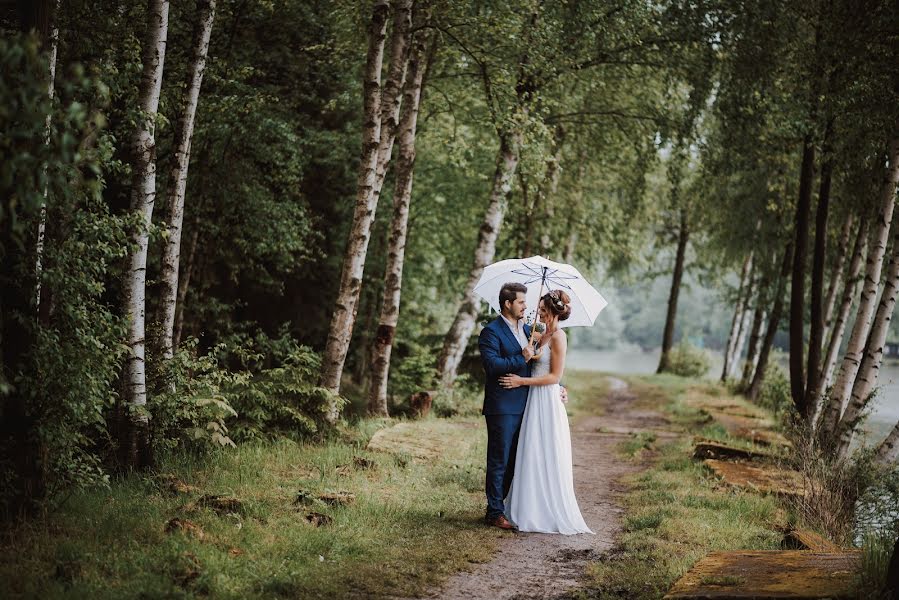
{"type": "Point", "coordinates": [510, 381]}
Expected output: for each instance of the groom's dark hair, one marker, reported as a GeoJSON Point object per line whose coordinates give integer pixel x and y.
{"type": "Point", "coordinates": [509, 292]}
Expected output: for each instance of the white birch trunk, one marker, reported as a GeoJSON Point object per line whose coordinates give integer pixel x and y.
{"type": "Point", "coordinates": [741, 339]}
{"type": "Point", "coordinates": [392, 91]}
{"type": "Point", "coordinates": [876, 249]}
{"type": "Point", "coordinates": [850, 290]}
{"type": "Point", "coordinates": [396, 249]}
{"type": "Point", "coordinates": [457, 338]}
{"type": "Point", "coordinates": [735, 324]}
{"type": "Point", "coordinates": [888, 450]}
{"type": "Point", "coordinates": [178, 181]}
{"type": "Point", "coordinates": [143, 195]}
{"type": "Point", "coordinates": [344, 316]}
{"type": "Point", "coordinates": [870, 366]}
{"type": "Point", "coordinates": [837, 277]}
{"type": "Point", "coordinates": [53, 47]}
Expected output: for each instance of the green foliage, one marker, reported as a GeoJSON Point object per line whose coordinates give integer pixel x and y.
{"type": "Point", "coordinates": [282, 400]}
{"type": "Point", "coordinates": [688, 361]}
{"type": "Point", "coordinates": [189, 405]}
{"type": "Point", "coordinates": [63, 364]}
{"type": "Point", "coordinates": [413, 373]}
{"type": "Point", "coordinates": [775, 391]}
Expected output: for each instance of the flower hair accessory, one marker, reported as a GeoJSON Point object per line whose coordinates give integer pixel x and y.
{"type": "Point", "coordinates": [557, 301]}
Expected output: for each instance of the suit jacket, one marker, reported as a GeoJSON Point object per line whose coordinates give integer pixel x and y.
{"type": "Point", "coordinates": [501, 354]}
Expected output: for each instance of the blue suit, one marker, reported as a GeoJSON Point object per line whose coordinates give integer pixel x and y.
{"type": "Point", "coordinates": [503, 409]}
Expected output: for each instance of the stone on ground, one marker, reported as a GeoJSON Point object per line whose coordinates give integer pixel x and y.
{"type": "Point", "coordinates": [718, 450]}
{"type": "Point", "coordinates": [425, 440]}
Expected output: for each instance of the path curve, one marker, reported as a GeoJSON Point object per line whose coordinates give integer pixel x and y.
{"type": "Point", "coordinates": [534, 565]}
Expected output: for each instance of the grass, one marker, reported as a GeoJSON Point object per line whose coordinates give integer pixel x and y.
{"type": "Point", "coordinates": [414, 521]}
{"type": "Point", "coordinates": [676, 511]}
{"type": "Point", "coordinates": [412, 524]}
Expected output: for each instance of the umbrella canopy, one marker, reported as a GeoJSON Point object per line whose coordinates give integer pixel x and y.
{"type": "Point", "coordinates": [537, 272]}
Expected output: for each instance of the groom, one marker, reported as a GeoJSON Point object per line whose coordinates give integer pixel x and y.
{"type": "Point", "coordinates": [504, 349]}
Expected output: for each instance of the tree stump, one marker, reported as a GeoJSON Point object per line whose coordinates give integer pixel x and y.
{"type": "Point", "coordinates": [421, 403]}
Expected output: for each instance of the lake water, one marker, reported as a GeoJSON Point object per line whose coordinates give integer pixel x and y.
{"type": "Point", "coordinates": [636, 362]}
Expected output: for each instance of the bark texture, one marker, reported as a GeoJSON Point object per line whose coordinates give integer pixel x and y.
{"type": "Point", "coordinates": [850, 290]}
{"type": "Point", "coordinates": [671, 316]}
{"type": "Point", "coordinates": [178, 180]}
{"type": "Point", "coordinates": [773, 323]}
{"type": "Point", "coordinates": [738, 314]}
{"type": "Point", "coordinates": [396, 248]}
{"type": "Point", "coordinates": [797, 282]}
{"type": "Point", "coordinates": [876, 249]}
{"type": "Point", "coordinates": [863, 388]}
{"type": "Point", "coordinates": [344, 316]}
{"type": "Point", "coordinates": [143, 196]}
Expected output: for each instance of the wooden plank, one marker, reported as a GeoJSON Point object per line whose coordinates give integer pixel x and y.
{"type": "Point", "coordinates": [765, 479]}
{"type": "Point", "coordinates": [711, 449]}
{"type": "Point", "coordinates": [768, 574]}
{"type": "Point", "coordinates": [803, 539]}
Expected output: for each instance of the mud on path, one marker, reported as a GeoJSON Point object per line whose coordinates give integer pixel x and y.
{"type": "Point", "coordinates": [534, 565]}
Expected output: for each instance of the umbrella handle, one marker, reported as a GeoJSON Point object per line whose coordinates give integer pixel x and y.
{"type": "Point", "coordinates": [537, 319]}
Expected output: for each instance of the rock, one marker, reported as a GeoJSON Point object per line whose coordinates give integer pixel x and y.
{"type": "Point", "coordinates": [178, 524]}
{"type": "Point", "coordinates": [421, 403]}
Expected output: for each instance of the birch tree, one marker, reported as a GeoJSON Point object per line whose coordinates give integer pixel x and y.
{"type": "Point", "coordinates": [143, 196]}
{"type": "Point", "coordinates": [396, 249]}
{"type": "Point", "coordinates": [843, 385]}
{"type": "Point", "coordinates": [374, 100]}
{"type": "Point", "coordinates": [177, 185]}
{"type": "Point", "coordinates": [738, 315]}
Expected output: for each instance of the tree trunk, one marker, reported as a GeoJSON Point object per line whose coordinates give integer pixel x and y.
{"type": "Point", "coordinates": [797, 281]}
{"type": "Point", "coordinates": [862, 389]}
{"type": "Point", "coordinates": [51, 41]}
{"type": "Point", "coordinates": [816, 326]}
{"type": "Point", "coordinates": [835, 280]}
{"type": "Point", "coordinates": [850, 290]}
{"type": "Point", "coordinates": [888, 450]}
{"type": "Point", "coordinates": [528, 215]}
{"type": "Point", "coordinates": [341, 327]}
{"type": "Point", "coordinates": [184, 283]}
{"type": "Point", "coordinates": [876, 250]}
{"type": "Point", "coordinates": [178, 180]}
{"type": "Point", "coordinates": [773, 323]}
{"type": "Point", "coordinates": [735, 323]}
{"type": "Point", "coordinates": [668, 334]}
{"type": "Point", "coordinates": [755, 337]}
{"type": "Point", "coordinates": [741, 335]}
{"type": "Point", "coordinates": [396, 250]}
{"type": "Point", "coordinates": [456, 339]}
{"type": "Point", "coordinates": [143, 196]}
{"type": "Point", "coordinates": [392, 92]}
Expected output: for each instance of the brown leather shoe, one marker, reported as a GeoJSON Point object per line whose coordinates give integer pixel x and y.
{"type": "Point", "coordinates": [500, 522]}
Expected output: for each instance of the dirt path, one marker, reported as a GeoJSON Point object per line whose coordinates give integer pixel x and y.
{"type": "Point", "coordinates": [533, 565]}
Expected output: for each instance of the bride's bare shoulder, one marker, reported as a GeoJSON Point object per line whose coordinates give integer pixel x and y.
{"type": "Point", "coordinates": [559, 339]}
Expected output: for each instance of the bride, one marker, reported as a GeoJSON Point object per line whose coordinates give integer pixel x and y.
{"type": "Point", "coordinates": [542, 497]}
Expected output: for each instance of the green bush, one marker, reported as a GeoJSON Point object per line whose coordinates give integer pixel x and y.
{"type": "Point", "coordinates": [774, 393]}
{"type": "Point", "coordinates": [190, 404]}
{"type": "Point", "coordinates": [688, 361]}
{"type": "Point", "coordinates": [412, 374]}
{"type": "Point", "coordinates": [283, 400]}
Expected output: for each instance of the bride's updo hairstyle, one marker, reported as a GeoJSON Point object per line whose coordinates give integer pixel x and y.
{"type": "Point", "coordinates": [557, 303]}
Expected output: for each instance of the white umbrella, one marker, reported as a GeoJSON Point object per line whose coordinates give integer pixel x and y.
{"type": "Point", "coordinates": [541, 276]}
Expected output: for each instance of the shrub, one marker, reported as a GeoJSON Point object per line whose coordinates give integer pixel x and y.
{"type": "Point", "coordinates": [413, 373]}
{"type": "Point", "coordinates": [774, 393]}
{"type": "Point", "coordinates": [688, 361]}
{"type": "Point", "coordinates": [189, 405]}
{"type": "Point", "coordinates": [283, 400]}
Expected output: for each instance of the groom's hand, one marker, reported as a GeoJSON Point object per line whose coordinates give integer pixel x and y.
{"type": "Point", "coordinates": [563, 395]}
{"type": "Point", "coordinates": [528, 353]}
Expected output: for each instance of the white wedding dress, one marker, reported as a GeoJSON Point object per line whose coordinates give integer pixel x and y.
{"type": "Point", "coordinates": [542, 497]}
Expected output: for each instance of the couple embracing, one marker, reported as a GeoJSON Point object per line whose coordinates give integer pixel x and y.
{"type": "Point", "coordinates": [529, 485]}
